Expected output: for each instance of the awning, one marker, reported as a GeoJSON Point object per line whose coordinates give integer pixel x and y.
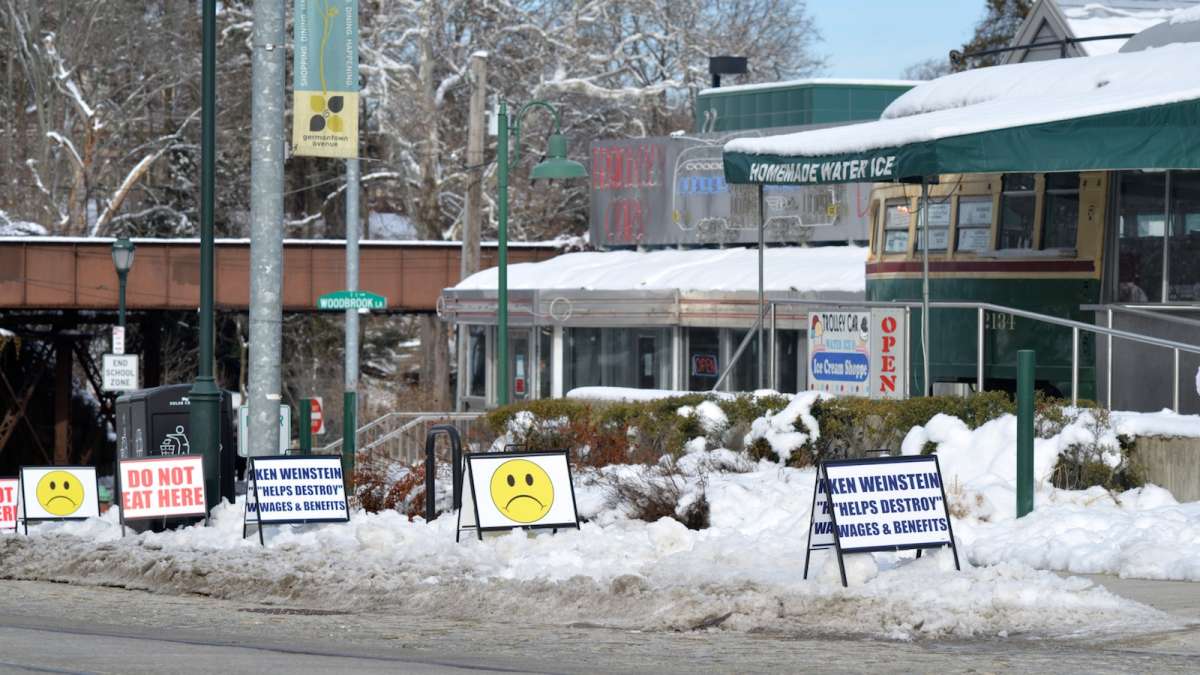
{"type": "Point", "coordinates": [1124, 111]}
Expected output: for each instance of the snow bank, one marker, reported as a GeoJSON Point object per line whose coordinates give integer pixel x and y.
{"type": "Point", "coordinates": [743, 573]}
{"type": "Point", "coordinates": [630, 395]}
{"type": "Point", "coordinates": [826, 268]}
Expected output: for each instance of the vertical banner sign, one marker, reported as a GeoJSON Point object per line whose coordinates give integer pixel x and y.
{"type": "Point", "coordinates": [889, 353]}
{"type": "Point", "coordinates": [838, 360]}
{"type": "Point", "coordinates": [325, 78]}
{"type": "Point", "coordinates": [9, 494]}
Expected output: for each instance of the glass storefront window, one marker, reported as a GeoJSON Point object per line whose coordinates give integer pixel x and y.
{"type": "Point", "coordinates": [1184, 246]}
{"type": "Point", "coordinates": [974, 223]}
{"type": "Point", "coordinates": [582, 358]}
{"type": "Point", "coordinates": [787, 361]}
{"type": "Point", "coordinates": [617, 357]}
{"type": "Point", "coordinates": [1018, 201]}
{"type": "Point", "coordinates": [1060, 217]}
{"type": "Point", "coordinates": [477, 361]}
{"type": "Point", "coordinates": [545, 349]}
{"type": "Point", "coordinates": [1140, 231]}
{"type": "Point", "coordinates": [939, 225]}
{"type": "Point", "coordinates": [745, 371]}
{"type": "Point", "coordinates": [895, 226]}
{"type": "Point", "coordinates": [703, 358]}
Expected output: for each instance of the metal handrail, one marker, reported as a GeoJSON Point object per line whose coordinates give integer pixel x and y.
{"type": "Point", "coordinates": [1149, 312]}
{"type": "Point", "coordinates": [421, 418]}
{"type": "Point", "coordinates": [369, 426]}
{"type": "Point", "coordinates": [742, 346]}
{"type": "Point", "coordinates": [981, 308]}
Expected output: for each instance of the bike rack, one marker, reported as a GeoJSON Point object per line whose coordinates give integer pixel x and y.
{"type": "Point", "coordinates": [431, 467]}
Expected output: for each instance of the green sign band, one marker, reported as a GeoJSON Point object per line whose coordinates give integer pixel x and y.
{"type": "Point", "coordinates": [343, 300]}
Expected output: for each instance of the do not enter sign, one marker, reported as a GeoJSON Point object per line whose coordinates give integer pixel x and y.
{"type": "Point", "coordinates": [318, 416]}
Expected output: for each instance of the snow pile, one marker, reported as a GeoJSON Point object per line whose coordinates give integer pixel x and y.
{"type": "Point", "coordinates": [779, 429]}
{"type": "Point", "coordinates": [1088, 18]}
{"type": "Point", "coordinates": [826, 268]}
{"type": "Point", "coordinates": [742, 573]}
{"type": "Point", "coordinates": [632, 395]}
{"type": "Point", "coordinates": [712, 418]}
{"type": "Point", "coordinates": [1163, 423]}
{"type": "Point", "coordinates": [1005, 97]}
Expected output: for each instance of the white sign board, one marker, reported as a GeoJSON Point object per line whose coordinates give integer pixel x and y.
{"type": "Point", "coordinates": [296, 489]}
{"type": "Point", "coordinates": [889, 353]}
{"type": "Point", "coordinates": [118, 340]}
{"type": "Point", "coordinates": [120, 372]}
{"type": "Point", "coordinates": [887, 504]}
{"type": "Point", "coordinates": [285, 429]}
{"type": "Point", "coordinates": [10, 492]}
{"type": "Point", "coordinates": [162, 487]}
{"type": "Point", "coordinates": [508, 490]}
{"type": "Point", "coordinates": [838, 360]}
{"type": "Point", "coordinates": [59, 493]}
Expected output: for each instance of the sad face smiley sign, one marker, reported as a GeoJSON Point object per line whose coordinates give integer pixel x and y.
{"type": "Point", "coordinates": [60, 493]}
{"type": "Point", "coordinates": [522, 491]}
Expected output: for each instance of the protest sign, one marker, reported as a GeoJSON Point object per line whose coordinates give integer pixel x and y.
{"type": "Point", "coordinates": [295, 489]}
{"type": "Point", "coordinates": [161, 487]}
{"type": "Point", "coordinates": [884, 504]}
{"type": "Point", "coordinates": [10, 491]}
{"type": "Point", "coordinates": [58, 493]}
{"type": "Point", "coordinates": [508, 490]}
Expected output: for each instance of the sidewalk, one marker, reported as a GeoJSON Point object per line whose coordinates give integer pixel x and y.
{"type": "Point", "coordinates": [1180, 599]}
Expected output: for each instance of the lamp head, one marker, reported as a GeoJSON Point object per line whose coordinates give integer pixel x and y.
{"type": "Point", "coordinates": [556, 164]}
{"type": "Point", "coordinates": [122, 254]}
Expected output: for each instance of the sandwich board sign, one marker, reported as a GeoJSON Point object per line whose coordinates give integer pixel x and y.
{"type": "Point", "coordinates": [883, 504]}
{"type": "Point", "coordinates": [161, 487]}
{"type": "Point", "coordinates": [58, 493]}
{"type": "Point", "coordinates": [293, 490]}
{"type": "Point", "coordinates": [10, 494]}
{"type": "Point", "coordinates": [509, 490]}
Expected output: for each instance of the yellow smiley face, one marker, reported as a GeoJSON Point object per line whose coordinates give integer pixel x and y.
{"type": "Point", "coordinates": [522, 491]}
{"type": "Point", "coordinates": [60, 493]}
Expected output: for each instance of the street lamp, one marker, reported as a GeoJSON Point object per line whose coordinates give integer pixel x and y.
{"type": "Point", "coordinates": [122, 256]}
{"type": "Point", "coordinates": [556, 165]}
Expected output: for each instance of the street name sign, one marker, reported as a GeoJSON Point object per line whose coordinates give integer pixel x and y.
{"type": "Point", "coordinates": [343, 300]}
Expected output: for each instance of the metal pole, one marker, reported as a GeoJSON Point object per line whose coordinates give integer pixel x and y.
{"type": "Point", "coordinates": [266, 226]}
{"type": "Point", "coordinates": [1166, 258]}
{"type": "Point", "coordinates": [762, 298]}
{"type": "Point", "coordinates": [204, 398]}
{"type": "Point", "coordinates": [923, 223]}
{"type": "Point", "coordinates": [473, 216]}
{"type": "Point", "coordinates": [1025, 369]}
{"type": "Point", "coordinates": [121, 277]}
{"type": "Point", "coordinates": [1075, 366]}
{"type": "Point", "coordinates": [980, 315]}
{"type": "Point", "coordinates": [1175, 384]}
{"type": "Point", "coordinates": [1108, 375]}
{"type": "Point", "coordinates": [503, 385]}
{"type": "Point", "coordinates": [774, 366]}
{"type": "Point", "coordinates": [350, 395]}
{"type": "Point", "coordinates": [305, 426]}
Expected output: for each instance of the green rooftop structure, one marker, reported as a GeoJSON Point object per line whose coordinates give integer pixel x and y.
{"type": "Point", "coordinates": [795, 103]}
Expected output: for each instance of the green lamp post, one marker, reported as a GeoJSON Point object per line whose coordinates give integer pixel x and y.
{"type": "Point", "coordinates": [555, 166]}
{"type": "Point", "coordinates": [122, 257]}
{"type": "Point", "coordinates": [204, 398]}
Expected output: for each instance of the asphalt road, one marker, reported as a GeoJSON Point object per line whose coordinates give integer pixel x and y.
{"type": "Point", "coordinates": [55, 628]}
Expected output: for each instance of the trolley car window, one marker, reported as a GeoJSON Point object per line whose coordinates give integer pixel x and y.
{"type": "Point", "coordinates": [938, 224]}
{"type": "Point", "coordinates": [895, 227]}
{"type": "Point", "coordinates": [1140, 225]}
{"type": "Point", "coordinates": [1017, 206]}
{"type": "Point", "coordinates": [1060, 215]}
{"type": "Point", "coordinates": [974, 223]}
{"type": "Point", "coordinates": [477, 361]}
{"type": "Point", "coordinates": [1183, 250]}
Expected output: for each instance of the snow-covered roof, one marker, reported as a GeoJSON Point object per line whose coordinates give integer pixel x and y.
{"type": "Point", "coordinates": [846, 82]}
{"type": "Point", "coordinates": [245, 241]}
{"type": "Point", "coordinates": [829, 268]}
{"type": "Point", "coordinates": [1091, 18]}
{"type": "Point", "coordinates": [1003, 97]}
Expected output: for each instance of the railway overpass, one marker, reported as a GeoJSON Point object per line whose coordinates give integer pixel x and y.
{"type": "Point", "coordinates": [57, 294]}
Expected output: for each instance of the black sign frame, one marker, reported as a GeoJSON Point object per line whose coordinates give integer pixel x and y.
{"type": "Point", "coordinates": [467, 476]}
{"type": "Point", "coordinates": [823, 477]}
{"type": "Point", "coordinates": [252, 488]}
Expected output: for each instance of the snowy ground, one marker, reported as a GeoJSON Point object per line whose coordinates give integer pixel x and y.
{"type": "Point", "coordinates": [742, 573]}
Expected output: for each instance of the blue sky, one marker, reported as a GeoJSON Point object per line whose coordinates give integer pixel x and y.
{"type": "Point", "coordinates": [880, 38]}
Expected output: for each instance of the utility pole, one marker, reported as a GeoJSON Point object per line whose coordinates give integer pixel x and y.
{"type": "Point", "coordinates": [472, 224]}
{"type": "Point", "coordinates": [204, 409]}
{"type": "Point", "coordinates": [350, 396]}
{"type": "Point", "coordinates": [266, 225]}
